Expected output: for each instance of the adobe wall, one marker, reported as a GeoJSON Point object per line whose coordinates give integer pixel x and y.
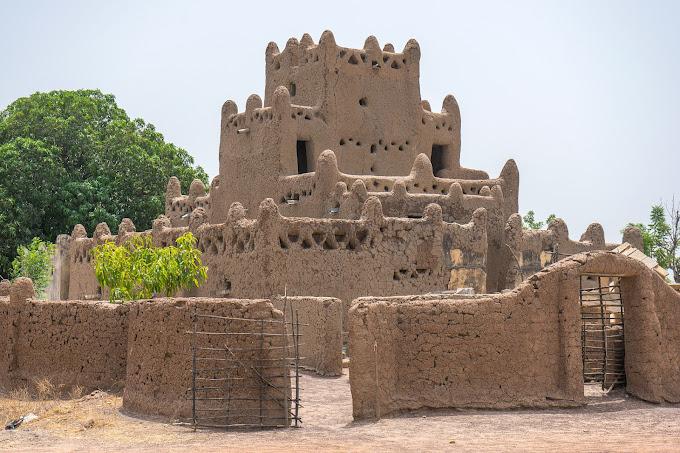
{"type": "Point", "coordinates": [5, 339]}
{"type": "Point", "coordinates": [143, 347]}
{"type": "Point", "coordinates": [70, 343]}
{"type": "Point", "coordinates": [328, 193]}
{"type": "Point", "coordinates": [380, 98]}
{"type": "Point", "coordinates": [340, 258]}
{"type": "Point", "coordinates": [251, 258]}
{"type": "Point", "coordinates": [159, 353]}
{"type": "Point", "coordinates": [516, 349]}
{"type": "Point", "coordinates": [58, 287]}
{"type": "Point", "coordinates": [178, 206]}
{"type": "Point", "coordinates": [496, 351]}
{"type": "Point", "coordinates": [321, 339]}
{"type": "Point", "coordinates": [325, 194]}
{"type": "Point", "coordinates": [77, 279]}
{"type": "Point", "coordinates": [82, 282]}
{"type": "Point", "coordinates": [380, 117]}
{"type": "Point", "coordinates": [363, 104]}
{"type": "Point", "coordinates": [652, 320]}
{"type": "Point", "coordinates": [529, 250]}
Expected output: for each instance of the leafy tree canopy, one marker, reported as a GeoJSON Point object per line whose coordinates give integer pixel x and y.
{"type": "Point", "coordinates": [138, 270]}
{"type": "Point", "coordinates": [69, 157]}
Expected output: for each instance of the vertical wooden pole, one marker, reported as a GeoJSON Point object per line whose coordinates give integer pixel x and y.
{"type": "Point", "coordinates": [285, 363]}
{"type": "Point", "coordinates": [297, 368]}
{"type": "Point", "coordinates": [583, 326]}
{"type": "Point", "coordinates": [193, 369]}
{"type": "Point", "coordinates": [604, 332]}
{"type": "Point", "coordinates": [262, 384]}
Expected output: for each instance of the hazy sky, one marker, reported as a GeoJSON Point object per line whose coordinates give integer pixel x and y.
{"type": "Point", "coordinates": [585, 96]}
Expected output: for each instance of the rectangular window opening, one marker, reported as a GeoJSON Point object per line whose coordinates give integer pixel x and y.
{"type": "Point", "coordinates": [304, 157]}
{"type": "Point", "coordinates": [438, 158]}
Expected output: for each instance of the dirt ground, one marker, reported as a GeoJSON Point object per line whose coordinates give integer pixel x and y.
{"type": "Point", "coordinates": [95, 423]}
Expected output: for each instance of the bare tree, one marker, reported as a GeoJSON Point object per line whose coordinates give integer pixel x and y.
{"type": "Point", "coordinates": [671, 243]}
{"type": "Point", "coordinates": [661, 236]}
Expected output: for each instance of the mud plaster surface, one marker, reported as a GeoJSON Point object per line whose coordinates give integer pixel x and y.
{"type": "Point", "coordinates": [520, 348]}
{"type": "Point", "coordinates": [158, 375]}
{"type": "Point", "coordinates": [320, 342]}
{"type": "Point", "coordinates": [79, 343]}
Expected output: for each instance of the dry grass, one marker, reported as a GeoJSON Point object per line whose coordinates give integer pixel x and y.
{"type": "Point", "coordinates": [58, 410]}
{"type": "Point", "coordinates": [21, 394]}
{"type": "Point", "coordinates": [76, 392]}
{"type": "Point", "coordinates": [21, 401]}
{"type": "Point", "coordinates": [94, 423]}
{"type": "Point", "coordinates": [46, 390]}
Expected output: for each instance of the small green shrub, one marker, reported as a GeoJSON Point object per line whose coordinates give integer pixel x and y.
{"type": "Point", "coordinates": [138, 270]}
{"type": "Point", "coordinates": [35, 262]}
{"type": "Point", "coordinates": [530, 222]}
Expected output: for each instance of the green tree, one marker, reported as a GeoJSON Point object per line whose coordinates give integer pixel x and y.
{"type": "Point", "coordinates": [69, 157]}
{"type": "Point", "coordinates": [138, 270]}
{"type": "Point", "coordinates": [179, 267]}
{"type": "Point", "coordinates": [661, 236]}
{"type": "Point", "coordinates": [35, 262]}
{"type": "Point", "coordinates": [530, 221]}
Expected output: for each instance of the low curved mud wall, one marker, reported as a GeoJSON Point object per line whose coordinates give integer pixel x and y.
{"type": "Point", "coordinates": [516, 349]}
{"type": "Point", "coordinates": [144, 347]}
{"type": "Point", "coordinates": [79, 343]}
{"type": "Point", "coordinates": [159, 352]}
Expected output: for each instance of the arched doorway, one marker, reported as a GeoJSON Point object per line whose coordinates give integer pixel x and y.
{"type": "Point", "coordinates": [602, 330]}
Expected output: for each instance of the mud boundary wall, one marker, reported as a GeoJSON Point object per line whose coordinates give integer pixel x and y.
{"type": "Point", "coordinates": [516, 349]}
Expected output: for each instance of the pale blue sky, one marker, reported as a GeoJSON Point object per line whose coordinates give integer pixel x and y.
{"type": "Point", "coordinates": [583, 95]}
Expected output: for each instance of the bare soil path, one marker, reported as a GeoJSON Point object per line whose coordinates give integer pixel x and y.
{"type": "Point", "coordinates": [613, 422]}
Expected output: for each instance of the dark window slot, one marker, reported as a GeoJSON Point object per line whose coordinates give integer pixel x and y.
{"type": "Point", "coordinates": [304, 158]}
{"type": "Point", "coordinates": [438, 158]}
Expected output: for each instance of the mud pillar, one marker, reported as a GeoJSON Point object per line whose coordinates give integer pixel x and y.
{"type": "Point", "coordinates": [569, 328]}
{"type": "Point", "coordinates": [58, 289]}
{"type": "Point", "coordinates": [19, 294]}
{"type": "Point", "coordinates": [643, 357]}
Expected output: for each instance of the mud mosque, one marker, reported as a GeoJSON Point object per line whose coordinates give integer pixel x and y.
{"type": "Point", "coordinates": [343, 182]}
{"type": "Point", "coordinates": [344, 191]}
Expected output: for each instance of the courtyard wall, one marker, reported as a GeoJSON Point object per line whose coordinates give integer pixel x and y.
{"type": "Point", "coordinates": [158, 378]}
{"type": "Point", "coordinates": [144, 346]}
{"type": "Point", "coordinates": [516, 349]}
{"type": "Point", "coordinates": [78, 343]}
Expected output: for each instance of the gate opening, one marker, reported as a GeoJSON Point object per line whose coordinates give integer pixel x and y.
{"type": "Point", "coordinates": [602, 331]}
{"type": "Point", "coordinates": [245, 373]}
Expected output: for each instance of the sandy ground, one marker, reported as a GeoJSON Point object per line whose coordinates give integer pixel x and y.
{"type": "Point", "coordinates": [95, 423]}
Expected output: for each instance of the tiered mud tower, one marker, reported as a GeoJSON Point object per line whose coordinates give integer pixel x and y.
{"type": "Point", "coordinates": [345, 183]}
